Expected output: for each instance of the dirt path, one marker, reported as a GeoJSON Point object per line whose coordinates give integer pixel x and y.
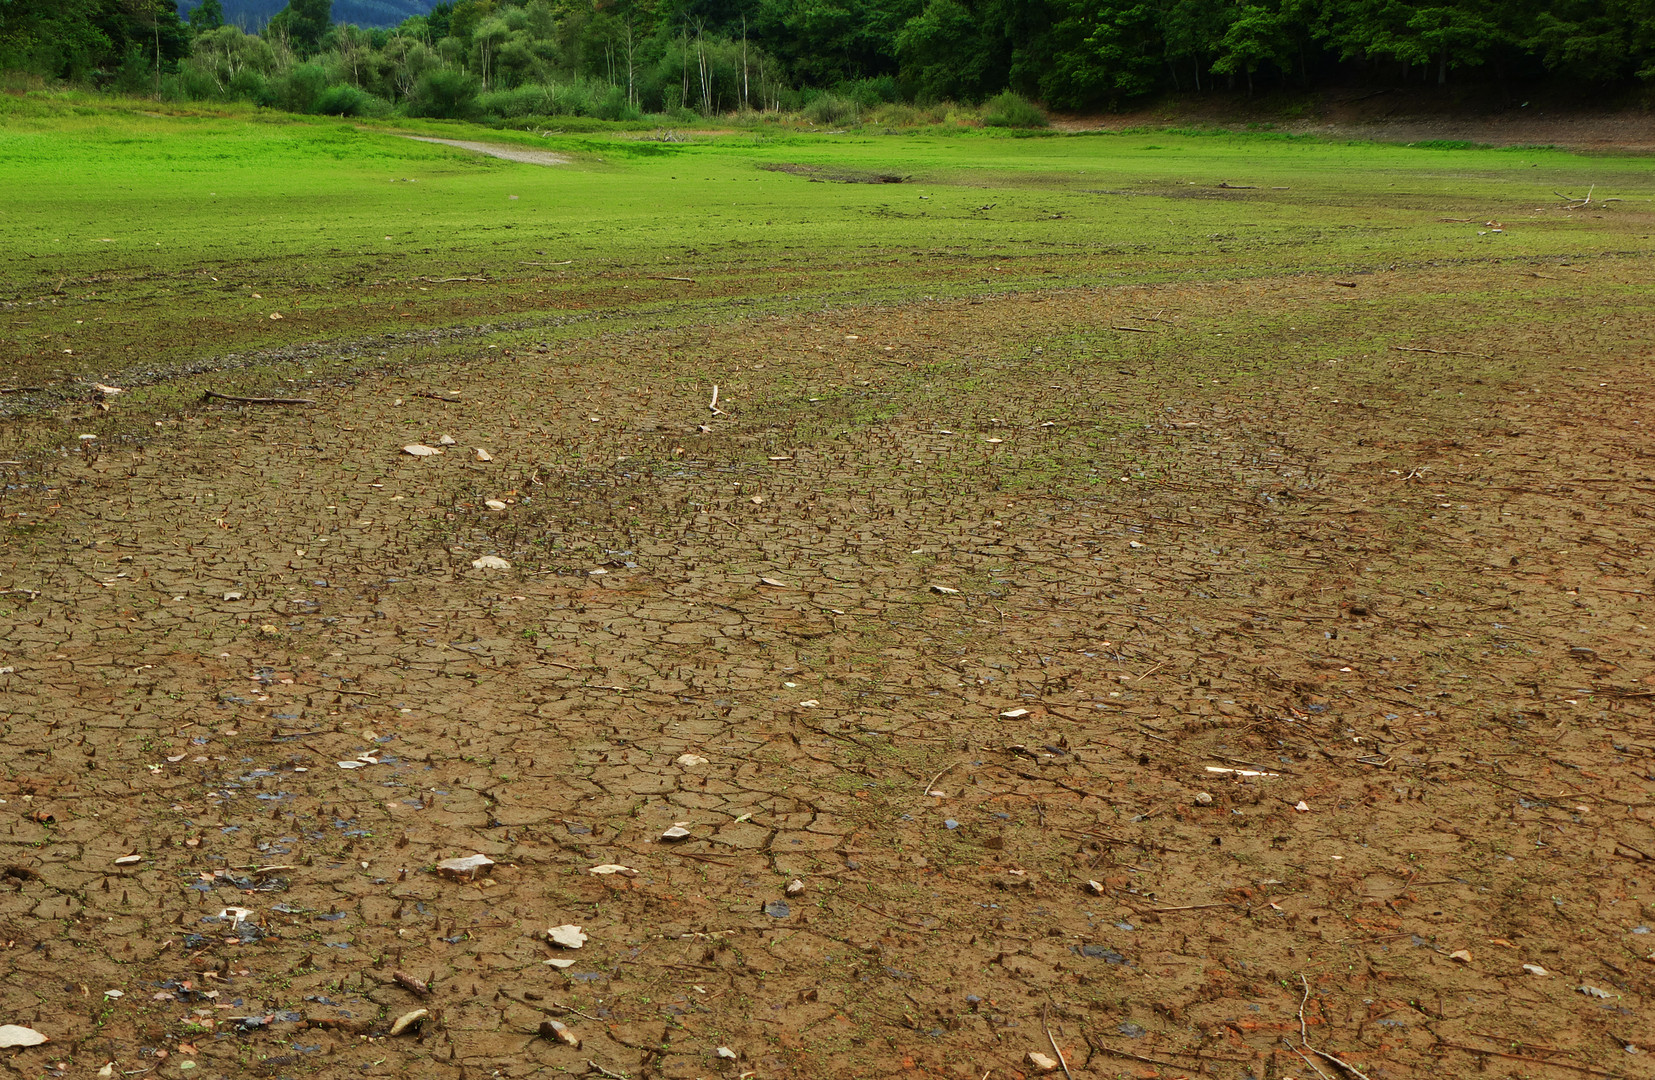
{"type": "Point", "coordinates": [1384, 118]}
{"type": "Point", "coordinates": [1081, 683]}
{"type": "Point", "coordinates": [507, 153]}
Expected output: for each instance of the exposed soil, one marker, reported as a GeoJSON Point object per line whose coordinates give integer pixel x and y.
{"type": "Point", "coordinates": [1401, 117]}
{"type": "Point", "coordinates": [1092, 692]}
{"type": "Point", "coordinates": [496, 150]}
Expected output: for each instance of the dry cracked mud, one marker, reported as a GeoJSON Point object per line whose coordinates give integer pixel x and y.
{"type": "Point", "coordinates": [1197, 720]}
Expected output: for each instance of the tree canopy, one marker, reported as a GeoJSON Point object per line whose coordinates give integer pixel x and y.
{"type": "Point", "coordinates": [712, 55]}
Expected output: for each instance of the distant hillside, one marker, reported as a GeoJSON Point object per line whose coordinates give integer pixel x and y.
{"type": "Point", "coordinates": [253, 14]}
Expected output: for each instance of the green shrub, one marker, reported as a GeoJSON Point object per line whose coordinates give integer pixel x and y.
{"type": "Point", "coordinates": [869, 93]}
{"type": "Point", "coordinates": [197, 84]}
{"type": "Point", "coordinates": [249, 85]}
{"type": "Point", "coordinates": [1013, 110]}
{"type": "Point", "coordinates": [614, 106]}
{"type": "Point", "coordinates": [530, 99]}
{"type": "Point", "coordinates": [347, 100]}
{"type": "Point", "coordinates": [444, 93]}
{"type": "Point", "coordinates": [300, 89]}
{"type": "Point", "coordinates": [830, 110]}
{"type": "Point", "coordinates": [571, 99]}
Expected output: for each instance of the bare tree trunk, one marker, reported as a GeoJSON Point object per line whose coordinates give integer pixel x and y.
{"type": "Point", "coordinates": [744, 102]}
{"type": "Point", "coordinates": [706, 75]}
{"type": "Point", "coordinates": [631, 66]}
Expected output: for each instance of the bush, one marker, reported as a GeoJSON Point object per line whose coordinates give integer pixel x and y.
{"type": "Point", "coordinates": [196, 84]}
{"type": "Point", "coordinates": [614, 106]}
{"type": "Point", "coordinates": [444, 93]}
{"type": "Point", "coordinates": [831, 110]}
{"type": "Point", "coordinates": [347, 100]}
{"type": "Point", "coordinates": [571, 99]}
{"type": "Point", "coordinates": [869, 93]}
{"type": "Point", "coordinates": [1013, 110]}
{"type": "Point", "coordinates": [249, 85]}
{"type": "Point", "coordinates": [530, 99]}
{"type": "Point", "coordinates": [300, 89]}
{"type": "Point", "coordinates": [135, 77]}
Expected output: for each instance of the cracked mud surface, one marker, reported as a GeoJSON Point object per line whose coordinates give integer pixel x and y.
{"type": "Point", "coordinates": [1036, 586]}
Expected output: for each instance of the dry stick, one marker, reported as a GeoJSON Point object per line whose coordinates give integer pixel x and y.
{"type": "Point", "coordinates": [882, 914]}
{"type": "Point", "coordinates": [1520, 1057]}
{"type": "Point", "coordinates": [1345, 1065]}
{"type": "Point", "coordinates": [697, 858]}
{"type": "Point", "coordinates": [1135, 1057]}
{"type": "Point", "coordinates": [606, 1072]}
{"type": "Point", "coordinates": [1307, 1061]}
{"type": "Point", "coordinates": [688, 279]}
{"type": "Point", "coordinates": [950, 769]}
{"type": "Point", "coordinates": [21, 389]}
{"type": "Point", "coordinates": [1135, 329]}
{"type": "Point", "coordinates": [257, 400]}
{"type": "Point", "coordinates": [1154, 669]}
{"type": "Point", "coordinates": [1044, 1022]}
{"type": "Point", "coordinates": [712, 407]}
{"type": "Point", "coordinates": [1443, 352]}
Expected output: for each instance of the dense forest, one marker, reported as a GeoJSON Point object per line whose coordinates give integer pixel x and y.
{"type": "Point", "coordinates": [620, 58]}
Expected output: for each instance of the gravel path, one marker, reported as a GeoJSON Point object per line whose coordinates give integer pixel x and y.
{"type": "Point", "coordinates": [509, 153]}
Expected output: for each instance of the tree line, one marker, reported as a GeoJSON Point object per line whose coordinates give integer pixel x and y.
{"type": "Point", "coordinates": [621, 58]}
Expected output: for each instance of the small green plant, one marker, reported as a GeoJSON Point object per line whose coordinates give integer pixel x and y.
{"type": "Point", "coordinates": [1012, 110]}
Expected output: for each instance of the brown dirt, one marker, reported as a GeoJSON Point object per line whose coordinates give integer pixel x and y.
{"type": "Point", "coordinates": [1409, 588]}
{"type": "Point", "coordinates": [496, 150]}
{"type": "Point", "coordinates": [1398, 117]}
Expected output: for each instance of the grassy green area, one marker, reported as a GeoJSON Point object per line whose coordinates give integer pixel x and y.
{"type": "Point", "coordinates": [140, 244]}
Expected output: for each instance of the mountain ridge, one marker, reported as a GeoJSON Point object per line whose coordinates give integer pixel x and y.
{"type": "Point", "coordinates": [252, 15]}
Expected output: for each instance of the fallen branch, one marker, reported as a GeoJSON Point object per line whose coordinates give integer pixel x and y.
{"type": "Point", "coordinates": [688, 279]}
{"type": "Point", "coordinates": [446, 280]}
{"type": "Point", "coordinates": [606, 1072]}
{"type": "Point", "coordinates": [712, 406]}
{"type": "Point", "coordinates": [257, 400]}
{"type": "Point", "coordinates": [438, 395]}
{"type": "Point", "coordinates": [1577, 202]}
{"type": "Point", "coordinates": [1135, 329]}
{"type": "Point", "coordinates": [21, 389]}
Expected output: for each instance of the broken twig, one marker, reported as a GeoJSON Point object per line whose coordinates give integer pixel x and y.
{"type": "Point", "coordinates": [1044, 1022]}
{"type": "Point", "coordinates": [257, 400]}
